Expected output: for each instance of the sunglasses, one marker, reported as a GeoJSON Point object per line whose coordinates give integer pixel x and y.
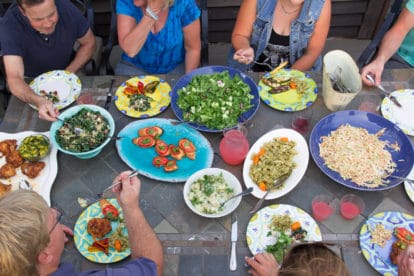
{"type": "Point", "coordinates": [59, 215]}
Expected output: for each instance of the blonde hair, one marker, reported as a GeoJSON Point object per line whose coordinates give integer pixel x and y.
{"type": "Point", "coordinates": [311, 259]}
{"type": "Point", "coordinates": [23, 232]}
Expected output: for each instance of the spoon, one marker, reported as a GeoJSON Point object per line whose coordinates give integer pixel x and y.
{"type": "Point", "coordinates": [278, 182]}
{"type": "Point", "coordinates": [77, 130]}
{"type": "Point", "coordinates": [243, 193]}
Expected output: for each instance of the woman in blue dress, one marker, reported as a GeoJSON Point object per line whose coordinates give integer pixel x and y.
{"type": "Point", "coordinates": [158, 36]}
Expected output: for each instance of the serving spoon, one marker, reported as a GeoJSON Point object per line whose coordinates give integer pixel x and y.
{"type": "Point", "coordinates": [243, 193]}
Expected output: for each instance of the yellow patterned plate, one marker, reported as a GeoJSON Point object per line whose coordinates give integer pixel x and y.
{"type": "Point", "coordinates": [65, 83]}
{"type": "Point", "coordinates": [83, 240]}
{"type": "Point", "coordinates": [161, 97]}
{"type": "Point", "coordinates": [257, 233]}
{"type": "Point", "coordinates": [293, 99]}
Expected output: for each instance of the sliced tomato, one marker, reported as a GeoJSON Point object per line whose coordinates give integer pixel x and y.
{"type": "Point", "coordinates": [404, 235]}
{"type": "Point", "coordinates": [186, 145]}
{"type": "Point", "coordinates": [130, 91]}
{"type": "Point", "coordinates": [176, 152]}
{"type": "Point", "coordinates": [144, 141]}
{"type": "Point", "coordinates": [159, 161]}
{"type": "Point", "coordinates": [191, 155]}
{"type": "Point", "coordinates": [153, 131]}
{"type": "Point", "coordinates": [171, 166]}
{"type": "Point", "coordinates": [162, 148]}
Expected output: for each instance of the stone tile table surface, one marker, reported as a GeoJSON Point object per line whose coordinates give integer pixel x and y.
{"type": "Point", "coordinates": [194, 245]}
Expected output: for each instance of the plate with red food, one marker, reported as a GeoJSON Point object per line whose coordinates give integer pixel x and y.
{"type": "Point", "coordinates": [27, 161]}
{"type": "Point", "coordinates": [100, 233]}
{"type": "Point", "coordinates": [160, 150]}
{"type": "Point", "coordinates": [143, 96]}
{"type": "Point", "coordinates": [383, 237]}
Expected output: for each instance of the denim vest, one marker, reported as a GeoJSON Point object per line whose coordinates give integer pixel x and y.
{"type": "Point", "coordinates": [301, 30]}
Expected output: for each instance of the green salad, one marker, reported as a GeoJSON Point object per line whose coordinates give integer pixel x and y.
{"type": "Point", "coordinates": [214, 100]}
{"type": "Point", "coordinates": [95, 131]}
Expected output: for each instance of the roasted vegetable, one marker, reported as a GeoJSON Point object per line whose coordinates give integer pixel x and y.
{"type": "Point", "coordinates": [151, 86]}
{"type": "Point", "coordinates": [108, 210]}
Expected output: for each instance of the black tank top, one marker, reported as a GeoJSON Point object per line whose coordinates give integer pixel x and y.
{"type": "Point", "coordinates": [276, 52]}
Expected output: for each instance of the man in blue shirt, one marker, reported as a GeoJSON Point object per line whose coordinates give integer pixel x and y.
{"type": "Point", "coordinates": [37, 36]}
{"type": "Point", "coordinates": [32, 238]}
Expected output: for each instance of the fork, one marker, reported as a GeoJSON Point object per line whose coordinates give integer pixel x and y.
{"type": "Point", "coordinates": [278, 182]}
{"type": "Point", "coordinates": [132, 174]}
{"type": "Point", "coordinates": [383, 91]}
{"type": "Point", "coordinates": [243, 193]}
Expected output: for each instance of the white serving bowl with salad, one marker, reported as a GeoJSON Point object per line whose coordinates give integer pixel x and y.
{"type": "Point", "coordinates": [206, 189]}
{"type": "Point", "coordinates": [97, 127]}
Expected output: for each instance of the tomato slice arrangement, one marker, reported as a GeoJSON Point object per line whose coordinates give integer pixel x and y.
{"type": "Point", "coordinates": [144, 141]}
{"type": "Point", "coordinates": [150, 137]}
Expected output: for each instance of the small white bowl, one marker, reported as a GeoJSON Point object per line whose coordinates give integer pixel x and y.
{"type": "Point", "coordinates": [231, 180]}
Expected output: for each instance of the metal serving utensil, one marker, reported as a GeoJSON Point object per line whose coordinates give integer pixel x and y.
{"type": "Point", "coordinates": [278, 182]}
{"type": "Point", "coordinates": [132, 174]}
{"type": "Point", "coordinates": [383, 91]}
{"type": "Point", "coordinates": [243, 193]}
{"type": "Point", "coordinates": [77, 130]}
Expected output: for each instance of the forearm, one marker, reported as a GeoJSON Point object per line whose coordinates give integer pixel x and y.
{"type": "Point", "coordinates": [19, 88]}
{"type": "Point", "coordinates": [389, 45]}
{"type": "Point", "coordinates": [132, 43]}
{"type": "Point", "coordinates": [240, 42]}
{"type": "Point", "coordinates": [192, 59]}
{"type": "Point", "coordinates": [83, 55]}
{"type": "Point", "coordinates": [305, 63]}
{"type": "Point", "coordinates": [142, 239]}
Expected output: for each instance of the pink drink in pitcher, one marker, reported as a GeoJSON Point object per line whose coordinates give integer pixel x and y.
{"type": "Point", "coordinates": [234, 147]}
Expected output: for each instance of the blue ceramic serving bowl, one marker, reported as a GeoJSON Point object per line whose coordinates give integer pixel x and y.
{"type": "Point", "coordinates": [70, 113]}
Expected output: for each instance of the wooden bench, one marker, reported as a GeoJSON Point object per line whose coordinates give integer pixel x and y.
{"type": "Point", "coordinates": [350, 18]}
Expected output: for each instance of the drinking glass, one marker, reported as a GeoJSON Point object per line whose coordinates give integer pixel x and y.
{"type": "Point", "coordinates": [351, 206]}
{"type": "Point", "coordinates": [301, 121]}
{"type": "Point", "coordinates": [323, 207]}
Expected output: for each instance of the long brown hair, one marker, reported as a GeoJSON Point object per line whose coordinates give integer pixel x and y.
{"type": "Point", "coordinates": [313, 259]}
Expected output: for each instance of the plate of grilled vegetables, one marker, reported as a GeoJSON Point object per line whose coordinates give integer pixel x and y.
{"type": "Point", "coordinates": [143, 96]}
{"type": "Point", "coordinates": [287, 90]}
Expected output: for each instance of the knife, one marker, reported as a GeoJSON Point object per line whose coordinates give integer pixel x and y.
{"type": "Point", "coordinates": [109, 95]}
{"type": "Point", "coordinates": [233, 260]}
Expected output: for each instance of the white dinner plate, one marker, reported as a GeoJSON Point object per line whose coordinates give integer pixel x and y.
{"type": "Point", "coordinates": [67, 85]}
{"type": "Point", "coordinates": [401, 116]}
{"type": "Point", "coordinates": [44, 181]}
{"type": "Point", "coordinates": [301, 159]}
{"type": "Point", "coordinates": [258, 228]}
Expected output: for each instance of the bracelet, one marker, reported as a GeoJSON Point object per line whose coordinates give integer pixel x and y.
{"type": "Point", "coordinates": [151, 13]}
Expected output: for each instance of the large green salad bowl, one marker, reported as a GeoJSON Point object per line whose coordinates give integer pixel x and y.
{"type": "Point", "coordinates": [82, 131]}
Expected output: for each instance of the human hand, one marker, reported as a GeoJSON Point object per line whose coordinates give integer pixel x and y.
{"type": "Point", "coordinates": [67, 231]}
{"type": "Point", "coordinates": [375, 69]}
{"type": "Point", "coordinates": [47, 111]}
{"type": "Point", "coordinates": [245, 55]}
{"type": "Point", "coordinates": [405, 262]}
{"type": "Point", "coordinates": [127, 192]}
{"type": "Point", "coordinates": [263, 264]}
{"type": "Point", "coordinates": [155, 5]}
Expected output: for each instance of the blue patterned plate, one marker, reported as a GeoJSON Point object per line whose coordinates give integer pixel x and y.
{"type": "Point", "coordinates": [401, 116]}
{"type": "Point", "coordinates": [259, 226]}
{"type": "Point", "coordinates": [140, 159]}
{"type": "Point", "coordinates": [208, 70]}
{"type": "Point", "coordinates": [409, 187]}
{"type": "Point", "coordinates": [83, 239]}
{"type": "Point", "coordinates": [65, 83]}
{"type": "Point", "coordinates": [377, 256]}
{"type": "Point", "coordinates": [403, 158]}
{"type": "Point", "coordinates": [290, 100]}
{"type": "Point", "coordinates": [161, 98]}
